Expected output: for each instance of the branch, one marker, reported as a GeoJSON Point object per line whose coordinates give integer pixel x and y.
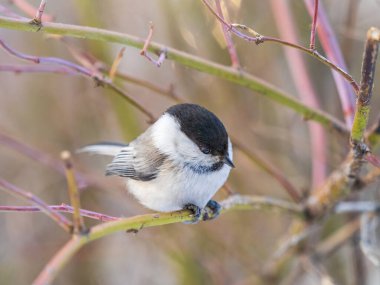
{"type": "Point", "coordinates": [227, 73]}
{"type": "Point", "coordinates": [30, 10]}
{"type": "Point", "coordinates": [303, 83]}
{"type": "Point", "coordinates": [366, 86]}
{"type": "Point", "coordinates": [270, 169]}
{"type": "Point", "coordinates": [30, 198]}
{"type": "Point", "coordinates": [258, 39]}
{"type": "Point", "coordinates": [40, 11]}
{"type": "Point", "coordinates": [137, 223]}
{"type": "Point", "coordinates": [60, 208]}
{"type": "Point", "coordinates": [345, 178]}
{"type": "Point", "coordinates": [81, 70]}
{"type": "Point", "coordinates": [227, 37]}
{"type": "Point", "coordinates": [332, 49]}
{"type": "Point", "coordinates": [72, 188]}
{"type": "Point", "coordinates": [314, 26]}
{"type": "Point", "coordinates": [144, 52]}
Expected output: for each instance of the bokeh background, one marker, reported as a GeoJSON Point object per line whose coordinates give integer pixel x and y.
{"type": "Point", "coordinates": [55, 112]}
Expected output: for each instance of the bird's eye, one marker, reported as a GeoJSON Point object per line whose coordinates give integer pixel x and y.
{"type": "Point", "coordinates": [205, 150]}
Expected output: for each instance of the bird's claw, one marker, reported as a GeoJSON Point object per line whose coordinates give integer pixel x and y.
{"type": "Point", "coordinates": [197, 213]}
{"type": "Point", "coordinates": [211, 211]}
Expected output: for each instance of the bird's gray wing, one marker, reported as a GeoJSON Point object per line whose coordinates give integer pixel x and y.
{"type": "Point", "coordinates": [140, 161]}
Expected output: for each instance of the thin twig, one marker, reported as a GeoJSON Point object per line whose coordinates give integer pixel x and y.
{"type": "Point", "coordinates": [61, 208]}
{"type": "Point", "coordinates": [270, 169]}
{"type": "Point", "coordinates": [81, 70]}
{"type": "Point", "coordinates": [227, 37]}
{"type": "Point", "coordinates": [249, 202]}
{"type": "Point", "coordinates": [257, 38]}
{"type": "Point", "coordinates": [72, 188]}
{"type": "Point", "coordinates": [238, 77]}
{"type": "Point", "coordinates": [331, 47]}
{"type": "Point", "coordinates": [30, 198]}
{"type": "Point", "coordinates": [314, 25]}
{"type": "Point", "coordinates": [40, 11]}
{"type": "Point", "coordinates": [302, 81]}
{"type": "Point", "coordinates": [30, 10]}
{"type": "Point", "coordinates": [62, 257]}
{"type": "Point", "coordinates": [346, 178]}
{"type": "Point", "coordinates": [39, 156]}
{"type": "Point", "coordinates": [144, 50]}
{"type": "Point", "coordinates": [116, 63]}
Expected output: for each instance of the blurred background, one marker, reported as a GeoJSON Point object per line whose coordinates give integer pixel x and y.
{"type": "Point", "coordinates": [49, 113]}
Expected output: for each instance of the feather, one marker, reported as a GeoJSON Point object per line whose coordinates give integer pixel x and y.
{"type": "Point", "coordinates": [103, 148]}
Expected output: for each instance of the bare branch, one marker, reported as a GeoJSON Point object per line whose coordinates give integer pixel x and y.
{"type": "Point", "coordinates": [78, 222]}
{"type": "Point", "coordinates": [314, 25]}
{"type": "Point", "coordinates": [227, 37]}
{"type": "Point", "coordinates": [61, 208]}
{"type": "Point", "coordinates": [144, 52]}
{"type": "Point", "coordinates": [30, 198]}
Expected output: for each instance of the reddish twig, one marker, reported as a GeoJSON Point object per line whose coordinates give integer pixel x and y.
{"type": "Point", "coordinates": [116, 63]}
{"type": "Point", "coordinates": [22, 68]}
{"type": "Point", "coordinates": [227, 37]}
{"type": "Point", "coordinates": [30, 198]}
{"type": "Point", "coordinates": [332, 49]}
{"type": "Point", "coordinates": [60, 208]}
{"type": "Point", "coordinates": [30, 11]}
{"type": "Point", "coordinates": [314, 25]}
{"type": "Point", "coordinates": [144, 51]}
{"type": "Point", "coordinates": [38, 156]}
{"type": "Point", "coordinates": [81, 70]}
{"type": "Point", "coordinates": [270, 169]}
{"type": "Point", "coordinates": [40, 12]}
{"type": "Point", "coordinates": [72, 188]}
{"type": "Point", "coordinates": [305, 89]}
{"type": "Point", "coordinates": [257, 38]}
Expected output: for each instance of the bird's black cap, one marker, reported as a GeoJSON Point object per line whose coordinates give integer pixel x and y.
{"type": "Point", "coordinates": [202, 127]}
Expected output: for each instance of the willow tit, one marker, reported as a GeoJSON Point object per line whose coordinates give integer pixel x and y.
{"type": "Point", "coordinates": [178, 163]}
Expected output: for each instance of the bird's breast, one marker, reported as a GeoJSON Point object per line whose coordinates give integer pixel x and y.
{"type": "Point", "coordinates": [172, 190]}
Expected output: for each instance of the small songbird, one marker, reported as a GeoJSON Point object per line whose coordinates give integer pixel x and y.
{"type": "Point", "coordinates": [179, 162]}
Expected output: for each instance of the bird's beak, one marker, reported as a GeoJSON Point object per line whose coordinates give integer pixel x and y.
{"type": "Point", "coordinates": [228, 161]}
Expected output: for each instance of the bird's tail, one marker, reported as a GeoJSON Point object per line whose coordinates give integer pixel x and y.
{"type": "Point", "coordinates": [103, 148]}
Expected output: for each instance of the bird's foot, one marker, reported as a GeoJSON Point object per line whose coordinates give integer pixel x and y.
{"type": "Point", "coordinates": [197, 213]}
{"type": "Point", "coordinates": [211, 211]}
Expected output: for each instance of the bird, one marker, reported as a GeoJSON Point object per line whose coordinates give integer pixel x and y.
{"type": "Point", "coordinates": [178, 163]}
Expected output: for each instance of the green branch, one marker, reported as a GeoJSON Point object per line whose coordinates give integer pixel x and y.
{"type": "Point", "coordinates": [194, 62]}
{"type": "Point", "coordinates": [134, 224]}
{"type": "Point", "coordinates": [366, 86]}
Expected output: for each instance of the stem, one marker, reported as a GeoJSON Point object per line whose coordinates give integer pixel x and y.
{"type": "Point", "coordinates": [332, 49]}
{"type": "Point", "coordinates": [314, 25]}
{"type": "Point", "coordinates": [60, 208]}
{"type": "Point", "coordinates": [270, 169]}
{"type": "Point", "coordinates": [40, 11]}
{"type": "Point", "coordinates": [79, 226]}
{"type": "Point", "coordinates": [227, 37]}
{"type": "Point", "coordinates": [343, 180]}
{"type": "Point", "coordinates": [230, 74]}
{"type": "Point", "coordinates": [30, 198]}
{"type": "Point", "coordinates": [366, 86]}
{"type": "Point", "coordinates": [302, 81]}
{"type": "Point", "coordinates": [136, 223]}
{"type": "Point", "coordinates": [258, 39]}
